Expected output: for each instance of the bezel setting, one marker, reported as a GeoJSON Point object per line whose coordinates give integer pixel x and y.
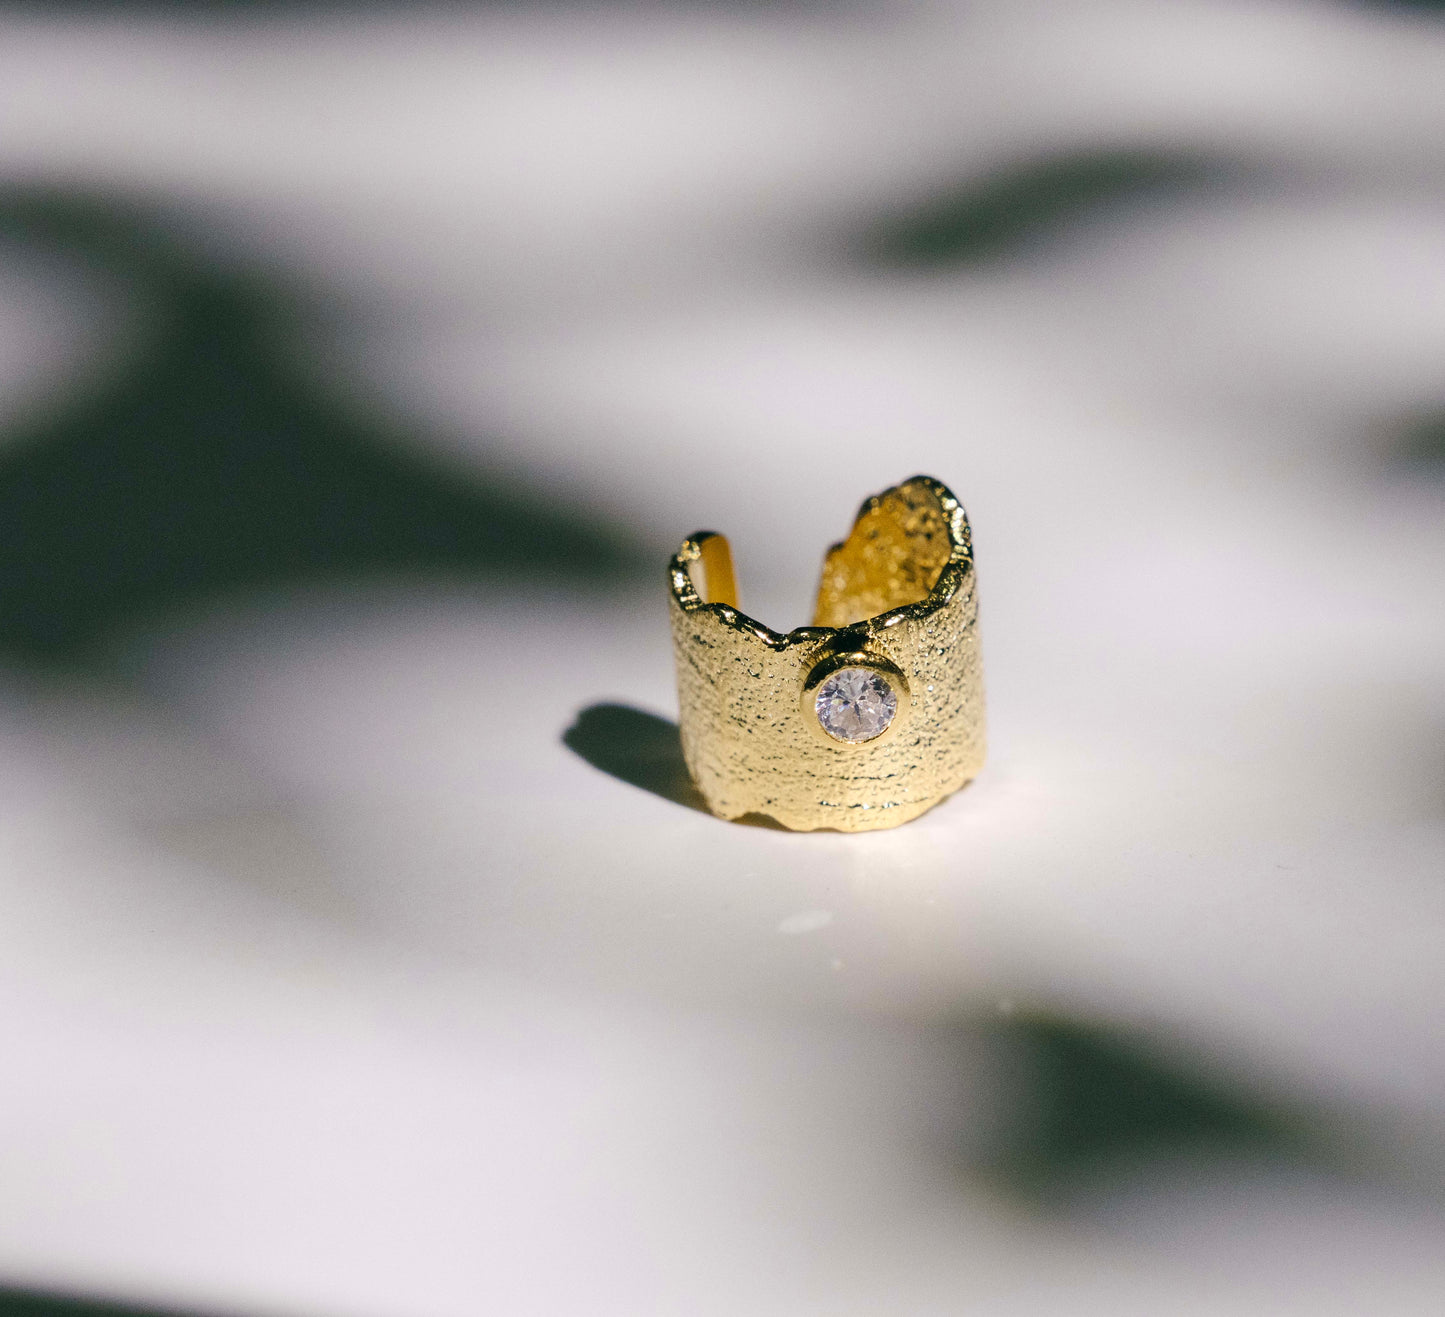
{"type": "Point", "coordinates": [878, 666]}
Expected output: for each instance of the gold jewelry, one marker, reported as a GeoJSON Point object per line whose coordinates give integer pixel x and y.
{"type": "Point", "coordinates": [866, 718]}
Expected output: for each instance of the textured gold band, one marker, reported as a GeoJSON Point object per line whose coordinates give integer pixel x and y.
{"type": "Point", "coordinates": [864, 719]}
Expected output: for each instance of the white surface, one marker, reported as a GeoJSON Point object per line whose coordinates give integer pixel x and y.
{"type": "Point", "coordinates": [332, 982]}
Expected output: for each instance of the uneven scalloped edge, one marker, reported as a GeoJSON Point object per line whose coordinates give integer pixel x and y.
{"type": "Point", "coordinates": [951, 578]}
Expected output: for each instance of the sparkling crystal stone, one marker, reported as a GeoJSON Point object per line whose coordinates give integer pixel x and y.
{"type": "Point", "coordinates": [855, 705]}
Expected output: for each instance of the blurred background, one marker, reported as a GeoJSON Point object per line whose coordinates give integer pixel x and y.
{"type": "Point", "coordinates": [363, 949]}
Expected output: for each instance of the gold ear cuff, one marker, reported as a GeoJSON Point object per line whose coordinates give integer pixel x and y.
{"type": "Point", "coordinates": [866, 718]}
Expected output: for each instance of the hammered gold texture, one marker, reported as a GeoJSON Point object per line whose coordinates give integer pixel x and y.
{"type": "Point", "coordinates": [892, 557]}
{"type": "Point", "coordinates": [746, 732]}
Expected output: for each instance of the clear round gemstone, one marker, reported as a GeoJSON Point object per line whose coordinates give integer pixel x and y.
{"type": "Point", "coordinates": [855, 704]}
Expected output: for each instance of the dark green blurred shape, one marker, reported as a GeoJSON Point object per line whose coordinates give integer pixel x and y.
{"type": "Point", "coordinates": [1417, 445]}
{"type": "Point", "coordinates": [997, 215]}
{"type": "Point", "coordinates": [1092, 1103]}
{"type": "Point", "coordinates": [29, 1303]}
{"type": "Point", "coordinates": [214, 464]}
